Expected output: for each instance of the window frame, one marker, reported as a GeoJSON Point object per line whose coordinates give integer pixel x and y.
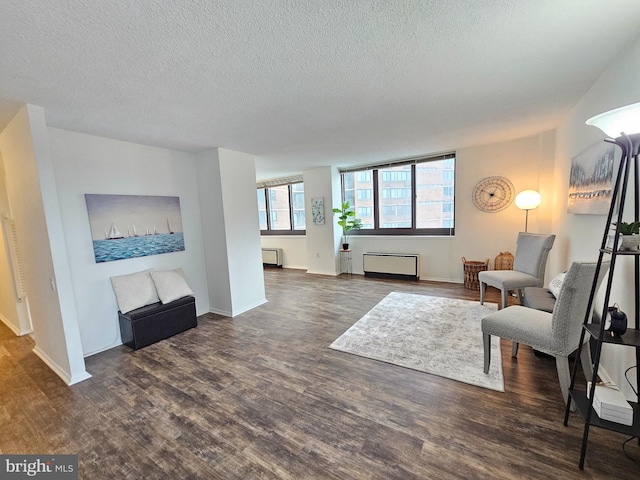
{"type": "Point", "coordinates": [269, 212]}
{"type": "Point", "coordinates": [376, 196]}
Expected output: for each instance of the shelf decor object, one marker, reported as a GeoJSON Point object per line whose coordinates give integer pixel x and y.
{"type": "Point", "coordinates": [528, 200]}
{"type": "Point", "coordinates": [623, 125]}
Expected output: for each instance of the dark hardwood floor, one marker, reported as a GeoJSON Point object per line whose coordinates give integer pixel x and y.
{"type": "Point", "coordinates": [262, 396]}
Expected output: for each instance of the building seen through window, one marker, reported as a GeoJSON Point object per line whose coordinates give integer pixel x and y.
{"type": "Point", "coordinates": [281, 209]}
{"type": "Point", "coordinates": [414, 198]}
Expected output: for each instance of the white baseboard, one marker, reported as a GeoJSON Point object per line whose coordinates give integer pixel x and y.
{"type": "Point", "coordinates": [103, 349]}
{"type": "Point", "coordinates": [235, 313]}
{"type": "Point", "coordinates": [13, 328]}
{"type": "Point", "coordinates": [444, 280]}
{"type": "Point", "coordinates": [331, 274]}
{"type": "Point", "coordinates": [66, 378]}
{"type": "Point", "coordinates": [250, 307]}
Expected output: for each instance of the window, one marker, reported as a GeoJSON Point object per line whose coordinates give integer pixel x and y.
{"type": "Point", "coordinates": [297, 194]}
{"type": "Point", "coordinates": [391, 175]}
{"type": "Point", "coordinates": [283, 206]}
{"type": "Point", "coordinates": [364, 194]}
{"type": "Point", "coordinates": [413, 197]}
{"type": "Point", "coordinates": [363, 212]}
{"type": "Point", "coordinates": [364, 176]}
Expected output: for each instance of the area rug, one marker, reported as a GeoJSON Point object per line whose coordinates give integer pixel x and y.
{"type": "Point", "coordinates": [441, 336]}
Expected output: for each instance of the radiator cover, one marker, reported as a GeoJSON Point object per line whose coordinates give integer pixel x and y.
{"type": "Point", "coordinates": [391, 265]}
{"type": "Point", "coordinates": [272, 257]}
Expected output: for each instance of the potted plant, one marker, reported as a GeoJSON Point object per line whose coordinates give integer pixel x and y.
{"type": "Point", "coordinates": [629, 235]}
{"type": "Point", "coordinates": [348, 221]}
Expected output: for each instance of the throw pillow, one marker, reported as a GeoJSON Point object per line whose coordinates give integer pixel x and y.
{"type": "Point", "coordinates": [134, 290]}
{"type": "Point", "coordinates": [171, 285]}
{"type": "Point", "coordinates": [556, 284]}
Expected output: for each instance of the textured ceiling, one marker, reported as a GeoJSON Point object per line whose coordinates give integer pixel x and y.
{"type": "Point", "coordinates": [305, 83]}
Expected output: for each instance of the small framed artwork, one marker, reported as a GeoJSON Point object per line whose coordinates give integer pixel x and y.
{"type": "Point", "coordinates": [317, 210]}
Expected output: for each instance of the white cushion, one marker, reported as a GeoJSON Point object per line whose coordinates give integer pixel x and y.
{"type": "Point", "coordinates": [171, 284]}
{"type": "Point", "coordinates": [556, 284]}
{"type": "Point", "coordinates": [134, 290]}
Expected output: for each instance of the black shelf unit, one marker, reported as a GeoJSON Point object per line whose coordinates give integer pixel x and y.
{"type": "Point", "coordinates": [630, 145]}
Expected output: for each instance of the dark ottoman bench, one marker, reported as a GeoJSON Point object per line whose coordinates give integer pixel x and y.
{"type": "Point", "coordinates": [155, 322]}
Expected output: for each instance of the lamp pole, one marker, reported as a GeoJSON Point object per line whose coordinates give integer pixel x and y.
{"type": "Point", "coordinates": [527, 200]}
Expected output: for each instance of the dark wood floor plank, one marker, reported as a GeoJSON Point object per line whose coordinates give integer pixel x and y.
{"type": "Point", "coordinates": [262, 396]}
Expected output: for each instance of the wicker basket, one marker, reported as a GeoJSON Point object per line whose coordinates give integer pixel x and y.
{"type": "Point", "coordinates": [471, 270]}
{"type": "Point", "coordinates": [504, 261]}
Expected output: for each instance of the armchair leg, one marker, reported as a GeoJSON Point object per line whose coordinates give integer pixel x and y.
{"type": "Point", "coordinates": [564, 376]}
{"type": "Point", "coordinates": [486, 341]}
{"type": "Point", "coordinates": [521, 295]}
{"type": "Point", "coordinates": [514, 349]}
{"type": "Point", "coordinates": [481, 293]}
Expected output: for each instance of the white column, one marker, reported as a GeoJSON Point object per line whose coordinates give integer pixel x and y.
{"type": "Point", "coordinates": [229, 208]}
{"type": "Point", "coordinates": [323, 240]}
{"type": "Point", "coordinates": [33, 200]}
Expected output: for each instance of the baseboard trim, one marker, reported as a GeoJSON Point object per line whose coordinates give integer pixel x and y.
{"type": "Point", "coordinates": [103, 349]}
{"type": "Point", "coordinates": [235, 313]}
{"type": "Point", "coordinates": [250, 307]}
{"type": "Point", "coordinates": [66, 378]}
{"type": "Point", "coordinates": [13, 328]}
{"type": "Point", "coordinates": [217, 311]}
{"type": "Point", "coordinates": [317, 272]}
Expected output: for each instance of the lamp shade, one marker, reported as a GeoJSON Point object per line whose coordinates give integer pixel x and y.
{"type": "Point", "coordinates": [618, 121]}
{"type": "Point", "coordinates": [528, 200]}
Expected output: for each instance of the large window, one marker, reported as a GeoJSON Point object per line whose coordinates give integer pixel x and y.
{"type": "Point", "coordinates": [281, 209]}
{"type": "Point", "coordinates": [405, 198]}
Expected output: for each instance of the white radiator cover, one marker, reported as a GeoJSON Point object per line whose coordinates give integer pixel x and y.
{"type": "Point", "coordinates": [393, 264]}
{"type": "Point", "coordinates": [272, 256]}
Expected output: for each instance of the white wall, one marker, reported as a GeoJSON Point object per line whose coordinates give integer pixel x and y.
{"type": "Point", "coordinates": [89, 164]}
{"type": "Point", "coordinates": [32, 194]}
{"type": "Point", "coordinates": [527, 162]}
{"type": "Point", "coordinates": [8, 301]}
{"type": "Point", "coordinates": [214, 233]}
{"type": "Point", "coordinates": [294, 248]}
{"type": "Point", "coordinates": [322, 240]}
{"type": "Point", "coordinates": [579, 236]}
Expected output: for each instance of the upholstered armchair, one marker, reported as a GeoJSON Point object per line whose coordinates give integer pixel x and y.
{"type": "Point", "coordinates": [529, 265]}
{"type": "Point", "coordinates": [557, 333]}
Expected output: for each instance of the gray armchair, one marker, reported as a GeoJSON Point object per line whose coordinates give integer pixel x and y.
{"type": "Point", "coordinates": [529, 265]}
{"type": "Point", "coordinates": [557, 333]}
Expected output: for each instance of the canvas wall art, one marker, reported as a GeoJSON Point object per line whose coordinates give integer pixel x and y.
{"type": "Point", "coordinates": [129, 226]}
{"type": "Point", "coordinates": [590, 181]}
{"type": "Point", "coordinates": [317, 210]}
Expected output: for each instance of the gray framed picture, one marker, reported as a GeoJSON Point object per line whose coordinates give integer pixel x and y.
{"type": "Point", "coordinates": [129, 226]}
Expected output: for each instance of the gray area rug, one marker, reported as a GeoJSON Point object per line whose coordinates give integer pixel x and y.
{"type": "Point", "coordinates": [441, 336]}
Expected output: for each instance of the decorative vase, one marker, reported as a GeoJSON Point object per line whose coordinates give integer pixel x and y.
{"type": "Point", "coordinates": [629, 242]}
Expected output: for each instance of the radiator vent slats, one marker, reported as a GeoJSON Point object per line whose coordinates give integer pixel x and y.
{"type": "Point", "coordinates": [11, 239]}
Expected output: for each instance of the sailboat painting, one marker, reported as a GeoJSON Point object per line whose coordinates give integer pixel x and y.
{"type": "Point", "coordinates": [111, 215]}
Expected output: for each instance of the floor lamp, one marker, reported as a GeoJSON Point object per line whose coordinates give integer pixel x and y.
{"type": "Point", "coordinates": [527, 200]}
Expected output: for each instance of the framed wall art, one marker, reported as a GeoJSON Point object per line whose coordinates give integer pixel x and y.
{"type": "Point", "coordinates": [590, 180]}
{"type": "Point", "coordinates": [129, 226]}
{"type": "Point", "coordinates": [317, 210]}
